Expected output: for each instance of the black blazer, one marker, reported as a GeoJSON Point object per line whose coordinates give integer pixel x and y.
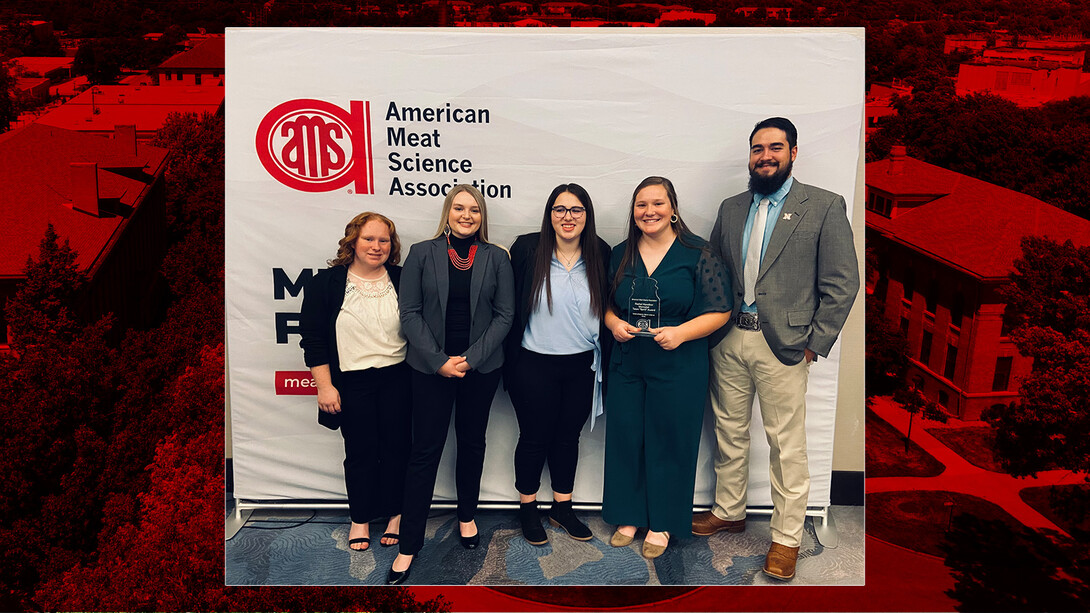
{"type": "Point", "coordinates": [322, 300]}
{"type": "Point", "coordinates": [523, 253]}
{"type": "Point", "coordinates": [423, 304]}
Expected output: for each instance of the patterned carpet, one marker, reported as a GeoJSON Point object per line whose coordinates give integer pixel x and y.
{"type": "Point", "coordinates": [311, 548]}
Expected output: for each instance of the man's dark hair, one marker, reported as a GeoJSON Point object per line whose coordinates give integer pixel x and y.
{"type": "Point", "coordinates": [781, 123]}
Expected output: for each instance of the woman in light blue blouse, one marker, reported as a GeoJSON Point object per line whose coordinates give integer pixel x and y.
{"type": "Point", "coordinates": [554, 353]}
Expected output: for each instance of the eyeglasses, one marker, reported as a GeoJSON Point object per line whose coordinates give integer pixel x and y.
{"type": "Point", "coordinates": [576, 211]}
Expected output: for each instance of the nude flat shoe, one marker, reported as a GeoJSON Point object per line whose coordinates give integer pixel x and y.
{"type": "Point", "coordinates": [621, 540]}
{"type": "Point", "coordinates": [651, 550]}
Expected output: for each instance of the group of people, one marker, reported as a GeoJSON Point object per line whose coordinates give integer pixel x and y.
{"type": "Point", "coordinates": [642, 332]}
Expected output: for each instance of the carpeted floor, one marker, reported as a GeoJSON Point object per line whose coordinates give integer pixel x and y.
{"type": "Point", "coordinates": [311, 548]}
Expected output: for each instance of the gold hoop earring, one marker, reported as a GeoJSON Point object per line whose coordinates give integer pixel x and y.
{"type": "Point", "coordinates": [674, 218]}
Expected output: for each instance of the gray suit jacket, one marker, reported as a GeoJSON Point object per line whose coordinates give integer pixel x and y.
{"type": "Point", "coordinates": [809, 275]}
{"type": "Point", "coordinates": [423, 303]}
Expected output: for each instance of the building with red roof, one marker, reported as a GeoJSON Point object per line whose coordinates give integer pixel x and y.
{"type": "Point", "coordinates": [520, 8]}
{"type": "Point", "coordinates": [31, 91]}
{"type": "Point", "coordinates": [979, 42]}
{"type": "Point", "coordinates": [945, 243]}
{"type": "Point", "coordinates": [1025, 76]}
{"type": "Point", "coordinates": [879, 103]}
{"type": "Point", "coordinates": [98, 109]}
{"type": "Point", "coordinates": [686, 14]}
{"type": "Point", "coordinates": [56, 69]}
{"type": "Point", "coordinates": [771, 12]}
{"type": "Point", "coordinates": [104, 195]}
{"type": "Point", "coordinates": [200, 66]}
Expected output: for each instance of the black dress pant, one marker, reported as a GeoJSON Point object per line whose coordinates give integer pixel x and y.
{"type": "Point", "coordinates": [376, 424]}
{"type": "Point", "coordinates": [434, 399]}
{"type": "Point", "coordinates": [552, 395]}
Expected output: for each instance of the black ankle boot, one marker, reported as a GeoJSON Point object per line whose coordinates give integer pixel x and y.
{"type": "Point", "coordinates": [531, 524]}
{"type": "Point", "coordinates": [562, 516]}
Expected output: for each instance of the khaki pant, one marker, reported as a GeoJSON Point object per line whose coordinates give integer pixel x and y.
{"type": "Point", "coordinates": [744, 365]}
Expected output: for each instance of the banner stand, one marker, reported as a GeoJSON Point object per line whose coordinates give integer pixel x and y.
{"type": "Point", "coordinates": [327, 123]}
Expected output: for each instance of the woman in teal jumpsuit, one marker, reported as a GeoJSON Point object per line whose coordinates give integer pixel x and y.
{"type": "Point", "coordinates": [658, 376]}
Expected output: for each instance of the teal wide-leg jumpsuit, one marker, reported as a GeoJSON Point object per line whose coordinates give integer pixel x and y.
{"type": "Point", "coordinates": [655, 398]}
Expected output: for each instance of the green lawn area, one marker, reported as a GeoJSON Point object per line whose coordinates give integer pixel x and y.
{"type": "Point", "coordinates": [886, 456]}
{"type": "Point", "coordinates": [974, 443]}
{"type": "Point", "coordinates": [918, 520]}
{"type": "Point", "coordinates": [1038, 498]}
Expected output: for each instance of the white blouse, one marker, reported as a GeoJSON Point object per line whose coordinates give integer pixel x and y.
{"type": "Point", "coordinates": [369, 326]}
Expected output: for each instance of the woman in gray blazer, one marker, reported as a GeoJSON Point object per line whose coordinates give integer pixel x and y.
{"type": "Point", "coordinates": [457, 301]}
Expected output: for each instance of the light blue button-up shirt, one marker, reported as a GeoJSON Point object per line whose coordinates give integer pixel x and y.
{"type": "Point", "coordinates": [775, 200]}
{"type": "Point", "coordinates": [571, 327]}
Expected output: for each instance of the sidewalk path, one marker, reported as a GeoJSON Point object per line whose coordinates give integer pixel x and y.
{"type": "Point", "coordinates": [963, 477]}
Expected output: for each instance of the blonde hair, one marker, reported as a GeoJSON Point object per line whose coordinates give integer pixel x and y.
{"type": "Point", "coordinates": [448, 202]}
{"type": "Point", "coordinates": [346, 248]}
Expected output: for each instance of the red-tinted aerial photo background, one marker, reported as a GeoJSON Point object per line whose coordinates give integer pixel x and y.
{"type": "Point", "coordinates": [977, 303]}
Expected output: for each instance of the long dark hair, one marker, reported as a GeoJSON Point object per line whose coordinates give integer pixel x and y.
{"type": "Point", "coordinates": [588, 244]}
{"type": "Point", "coordinates": [684, 234]}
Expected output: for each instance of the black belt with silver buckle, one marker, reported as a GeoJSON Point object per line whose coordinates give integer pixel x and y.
{"type": "Point", "coordinates": [748, 321]}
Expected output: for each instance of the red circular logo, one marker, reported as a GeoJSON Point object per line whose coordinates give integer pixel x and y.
{"type": "Point", "coordinates": [315, 146]}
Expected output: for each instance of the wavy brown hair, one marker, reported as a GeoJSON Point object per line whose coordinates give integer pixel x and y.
{"type": "Point", "coordinates": [346, 248]}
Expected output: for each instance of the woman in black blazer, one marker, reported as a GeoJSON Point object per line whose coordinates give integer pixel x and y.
{"type": "Point", "coordinates": [457, 300]}
{"type": "Point", "coordinates": [554, 353]}
{"type": "Point", "coordinates": [353, 344]}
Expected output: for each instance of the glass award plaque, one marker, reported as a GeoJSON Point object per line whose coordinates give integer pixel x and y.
{"type": "Point", "coordinates": [643, 306]}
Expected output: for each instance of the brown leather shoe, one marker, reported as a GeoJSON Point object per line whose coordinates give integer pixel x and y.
{"type": "Point", "coordinates": [780, 561]}
{"type": "Point", "coordinates": [707, 524]}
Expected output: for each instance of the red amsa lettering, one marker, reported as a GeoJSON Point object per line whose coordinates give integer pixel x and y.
{"type": "Point", "coordinates": [315, 146]}
{"type": "Point", "coordinates": [295, 383]}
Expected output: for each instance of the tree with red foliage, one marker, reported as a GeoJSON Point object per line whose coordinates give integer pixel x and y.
{"type": "Point", "coordinates": [997, 568]}
{"type": "Point", "coordinates": [149, 360]}
{"type": "Point", "coordinates": [1048, 308]}
{"type": "Point", "coordinates": [915, 403]}
{"type": "Point", "coordinates": [886, 349]}
{"type": "Point", "coordinates": [886, 345]}
{"type": "Point", "coordinates": [158, 561]}
{"type": "Point", "coordinates": [98, 60]}
{"type": "Point", "coordinates": [8, 110]}
{"type": "Point", "coordinates": [45, 304]}
{"type": "Point", "coordinates": [170, 558]}
{"type": "Point", "coordinates": [83, 418]}
{"type": "Point", "coordinates": [195, 174]}
{"type": "Point", "coordinates": [58, 391]}
{"type": "Point", "coordinates": [156, 544]}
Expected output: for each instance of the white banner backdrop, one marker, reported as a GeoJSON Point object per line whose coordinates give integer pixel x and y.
{"type": "Point", "coordinates": [325, 123]}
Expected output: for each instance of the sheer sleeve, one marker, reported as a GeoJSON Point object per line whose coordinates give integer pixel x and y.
{"type": "Point", "coordinates": [713, 286]}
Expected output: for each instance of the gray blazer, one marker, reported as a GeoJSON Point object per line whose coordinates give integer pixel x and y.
{"type": "Point", "coordinates": [809, 275]}
{"type": "Point", "coordinates": [423, 303]}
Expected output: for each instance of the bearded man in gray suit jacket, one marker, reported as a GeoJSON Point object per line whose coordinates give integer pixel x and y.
{"type": "Point", "coordinates": [789, 248]}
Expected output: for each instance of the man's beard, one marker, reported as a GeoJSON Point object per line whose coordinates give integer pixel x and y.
{"type": "Point", "coordinates": [768, 185]}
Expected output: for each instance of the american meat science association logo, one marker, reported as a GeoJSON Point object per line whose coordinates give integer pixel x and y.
{"type": "Point", "coordinates": [315, 146]}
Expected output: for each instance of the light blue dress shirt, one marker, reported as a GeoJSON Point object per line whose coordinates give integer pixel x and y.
{"type": "Point", "coordinates": [571, 327]}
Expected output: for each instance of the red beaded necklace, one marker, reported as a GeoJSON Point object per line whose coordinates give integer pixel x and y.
{"type": "Point", "coordinates": [459, 262]}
